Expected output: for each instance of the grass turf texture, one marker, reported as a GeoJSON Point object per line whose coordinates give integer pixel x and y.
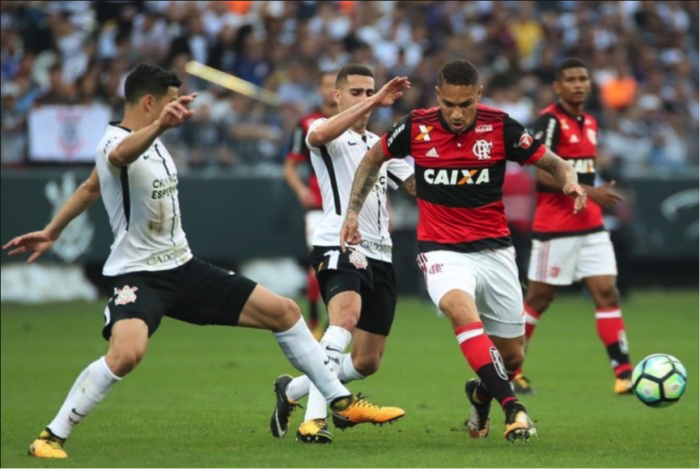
{"type": "Point", "coordinates": [203, 396]}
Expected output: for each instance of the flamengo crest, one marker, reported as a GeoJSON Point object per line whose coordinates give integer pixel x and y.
{"type": "Point", "coordinates": [482, 149]}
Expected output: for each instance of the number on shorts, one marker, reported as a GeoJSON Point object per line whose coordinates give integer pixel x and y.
{"type": "Point", "coordinates": [333, 259]}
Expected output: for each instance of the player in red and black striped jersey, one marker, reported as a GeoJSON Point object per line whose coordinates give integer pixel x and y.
{"type": "Point", "coordinates": [307, 191]}
{"type": "Point", "coordinates": [566, 247]}
{"type": "Point", "coordinates": [460, 150]}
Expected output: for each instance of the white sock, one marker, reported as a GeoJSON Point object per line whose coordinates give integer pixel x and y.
{"type": "Point", "coordinates": [334, 342]}
{"type": "Point", "coordinates": [298, 388]}
{"type": "Point", "coordinates": [89, 389]}
{"type": "Point", "coordinates": [306, 355]}
{"type": "Point", "coordinates": [347, 370]}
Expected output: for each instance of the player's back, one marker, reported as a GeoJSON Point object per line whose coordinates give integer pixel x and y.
{"type": "Point", "coordinates": [141, 200]}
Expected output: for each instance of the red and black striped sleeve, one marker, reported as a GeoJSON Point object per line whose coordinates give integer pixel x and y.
{"type": "Point", "coordinates": [396, 143]}
{"type": "Point", "coordinates": [520, 146]}
{"type": "Point", "coordinates": [548, 131]}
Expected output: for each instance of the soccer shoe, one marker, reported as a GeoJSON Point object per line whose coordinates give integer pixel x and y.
{"type": "Point", "coordinates": [48, 446]}
{"type": "Point", "coordinates": [478, 422]}
{"type": "Point", "coordinates": [314, 431]}
{"type": "Point", "coordinates": [521, 385]}
{"type": "Point", "coordinates": [518, 425]}
{"type": "Point", "coordinates": [362, 411]}
{"type": "Point", "coordinates": [623, 386]}
{"type": "Point", "coordinates": [282, 415]}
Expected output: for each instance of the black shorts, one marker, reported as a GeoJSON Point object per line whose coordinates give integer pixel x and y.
{"type": "Point", "coordinates": [373, 280]}
{"type": "Point", "coordinates": [196, 292]}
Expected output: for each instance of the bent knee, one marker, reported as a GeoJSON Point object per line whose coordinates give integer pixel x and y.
{"type": "Point", "coordinates": [285, 316]}
{"type": "Point", "coordinates": [513, 359]}
{"type": "Point", "coordinates": [607, 297]}
{"type": "Point", "coordinates": [540, 301]}
{"type": "Point", "coordinates": [367, 365]}
{"type": "Point", "coordinates": [122, 360]}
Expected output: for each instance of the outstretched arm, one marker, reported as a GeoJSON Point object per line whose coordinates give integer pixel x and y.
{"type": "Point", "coordinates": [365, 178]}
{"type": "Point", "coordinates": [39, 242]}
{"type": "Point", "coordinates": [133, 146]}
{"type": "Point", "coordinates": [336, 125]}
{"type": "Point", "coordinates": [565, 177]}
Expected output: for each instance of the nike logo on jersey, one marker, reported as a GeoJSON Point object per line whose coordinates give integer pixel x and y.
{"type": "Point", "coordinates": [352, 143]}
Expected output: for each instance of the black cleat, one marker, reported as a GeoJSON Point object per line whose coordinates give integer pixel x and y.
{"type": "Point", "coordinates": [282, 415]}
{"type": "Point", "coordinates": [478, 422]}
{"type": "Point", "coordinates": [518, 424]}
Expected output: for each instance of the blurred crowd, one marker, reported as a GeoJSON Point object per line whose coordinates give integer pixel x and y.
{"type": "Point", "coordinates": [643, 59]}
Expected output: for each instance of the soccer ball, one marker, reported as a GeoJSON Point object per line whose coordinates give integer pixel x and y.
{"type": "Point", "coordinates": [659, 380]}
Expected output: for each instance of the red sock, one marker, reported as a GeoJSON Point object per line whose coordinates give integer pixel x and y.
{"type": "Point", "coordinates": [531, 318]}
{"type": "Point", "coordinates": [486, 361]}
{"type": "Point", "coordinates": [611, 330]}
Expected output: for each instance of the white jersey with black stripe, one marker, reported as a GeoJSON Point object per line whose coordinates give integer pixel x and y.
{"type": "Point", "coordinates": [335, 164]}
{"type": "Point", "coordinates": [143, 208]}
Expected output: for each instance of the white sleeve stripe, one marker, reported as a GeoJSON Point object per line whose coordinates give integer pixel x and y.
{"type": "Point", "coordinates": [549, 135]}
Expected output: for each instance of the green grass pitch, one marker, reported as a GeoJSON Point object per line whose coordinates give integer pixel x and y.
{"type": "Point", "coordinates": [202, 397]}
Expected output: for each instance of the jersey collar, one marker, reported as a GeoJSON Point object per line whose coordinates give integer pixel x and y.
{"type": "Point", "coordinates": [118, 124]}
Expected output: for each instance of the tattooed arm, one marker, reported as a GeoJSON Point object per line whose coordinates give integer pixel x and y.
{"type": "Point", "coordinates": [365, 178]}
{"type": "Point", "coordinates": [565, 177]}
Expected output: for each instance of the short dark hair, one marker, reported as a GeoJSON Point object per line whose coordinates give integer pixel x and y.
{"type": "Point", "coordinates": [148, 79]}
{"type": "Point", "coordinates": [352, 69]}
{"type": "Point", "coordinates": [571, 62]}
{"type": "Point", "coordinates": [458, 72]}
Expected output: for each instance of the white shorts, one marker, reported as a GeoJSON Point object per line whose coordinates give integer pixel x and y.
{"type": "Point", "coordinates": [489, 276]}
{"type": "Point", "coordinates": [312, 218]}
{"type": "Point", "coordinates": [563, 261]}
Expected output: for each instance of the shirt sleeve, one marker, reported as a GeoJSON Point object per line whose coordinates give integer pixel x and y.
{"type": "Point", "coordinates": [106, 148]}
{"type": "Point", "coordinates": [314, 125]}
{"type": "Point", "coordinates": [548, 131]}
{"type": "Point", "coordinates": [396, 143]}
{"type": "Point", "coordinates": [520, 146]}
{"type": "Point", "coordinates": [397, 172]}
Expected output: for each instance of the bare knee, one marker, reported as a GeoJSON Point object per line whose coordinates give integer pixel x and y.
{"type": "Point", "coordinates": [539, 299]}
{"type": "Point", "coordinates": [459, 307]}
{"type": "Point", "coordinates": [286, 316]}
{"type": "Point", "coordinates": [122, 360]}
{"type": "Point", "coordinates": [513, 358]}
{"type": "Point", "coordinates": [607, 297]}
{"type": "Point", "coordinates": [344, 310]}
{"type": "Point", "coordinates": [367, 365]}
